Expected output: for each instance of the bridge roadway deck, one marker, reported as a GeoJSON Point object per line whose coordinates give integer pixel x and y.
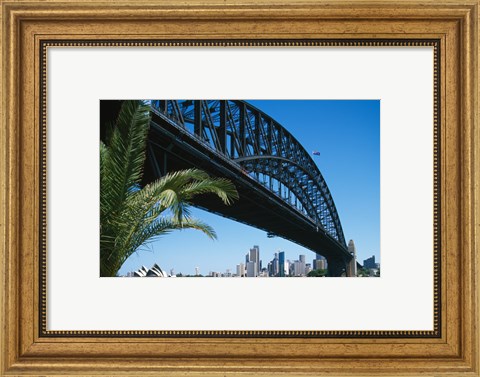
{"type": "Point", "coordinates": [172, 148]}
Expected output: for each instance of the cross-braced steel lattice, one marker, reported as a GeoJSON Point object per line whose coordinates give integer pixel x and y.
{"type": "Point", "coordinates": [263, 149]}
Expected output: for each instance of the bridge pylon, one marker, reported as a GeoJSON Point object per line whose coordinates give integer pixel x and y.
{"type": "Point", "coordinates": [352, 265]}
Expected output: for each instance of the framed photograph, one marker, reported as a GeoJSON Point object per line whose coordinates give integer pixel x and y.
{"type": "Point", "coordinates": [240, 188]}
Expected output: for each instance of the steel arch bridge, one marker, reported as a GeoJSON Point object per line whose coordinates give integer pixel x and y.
{"type": "Point", "coordinates": [264, 149]}
{"type": "Point", "coordinates": [281, 189]}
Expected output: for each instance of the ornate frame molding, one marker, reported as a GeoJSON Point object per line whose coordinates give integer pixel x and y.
{"type": "Point", "coordinates": [26, 348]}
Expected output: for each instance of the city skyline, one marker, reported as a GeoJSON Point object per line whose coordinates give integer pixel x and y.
{"type": "Point", "coordinates": [346, 134]}
{"type": "Point", "coordinates": [278, 266]}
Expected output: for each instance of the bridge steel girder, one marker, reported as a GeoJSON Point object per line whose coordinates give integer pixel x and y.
{"type": "Point", "coordinates": [261, 146]}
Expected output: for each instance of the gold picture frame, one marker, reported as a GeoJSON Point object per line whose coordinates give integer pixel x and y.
{"type": "Point", "coordinates": [27, 348]}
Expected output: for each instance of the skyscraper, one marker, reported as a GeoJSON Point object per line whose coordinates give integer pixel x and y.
{"type": "Point", "coordinates": [320, 263]}
{"type": "Point", "coordinates": [270, 268]}
{"type": "Point", "coordinates": [369, 262]}
{"type": "Point", "coordinates": [308, 268]}
{"type": "Point", "coordinates": [240, 270]}
{"type": "Point", "coordinates": [298, 268]}
{"type": "Point", "coordinates": [281, 263]}
{"type": "Point", "coordinates": [302, 264]}
{"type": "Point", "coordinates": [255, 257]}
{"type": "Point", "coordinates": [252, 269]}
{"type": "Point", "coordinates": [291, 267]}
{"type": "Point", "coordinates": [275, 265]}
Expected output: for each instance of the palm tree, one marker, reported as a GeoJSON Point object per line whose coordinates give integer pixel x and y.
{"type": "Point", "coordinates": [131, 216]}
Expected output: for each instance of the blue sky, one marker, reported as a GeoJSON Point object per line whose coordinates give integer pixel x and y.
{"type": "Point", "coordinates": [347, 135]}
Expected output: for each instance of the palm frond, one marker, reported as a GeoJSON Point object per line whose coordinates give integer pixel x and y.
{"type": "Point", "coordinates": [123, 166]}
{"type": "Point", "coordinates": [163, 226]}
{"type": "Point", "coordinates": [221, 187]}
{"type": "Point", "coordinates": [182, 186]}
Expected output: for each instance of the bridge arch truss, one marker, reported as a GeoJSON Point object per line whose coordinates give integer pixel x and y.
{"type": "Point", "coordinates": [263, 149]}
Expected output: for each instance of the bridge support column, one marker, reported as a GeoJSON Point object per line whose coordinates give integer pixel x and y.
{"type": "Point", "coordinates": [351, 270]}
{"type": "Point", "coordinates": [336, 267]}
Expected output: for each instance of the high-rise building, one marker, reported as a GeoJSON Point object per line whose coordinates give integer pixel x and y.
{"type": "Point", "coordinates": [308, 268]}
{"type": "Point", "coordinates": [301, 259]}
{"type": "Point", "coordinates": [287, 267]}
{"type": "Point", "coordinates": [352, 265]}
{"type": "Point", "coordinates": [291, 267]}
{"type": "Point", "coordinates": [241, 270]}
{"type": "Point", "coordinates": [275, 265]}
{"type": "Point", "coordinates": [273, 268]}
{"type": "Point", "coordinates": [197, 271]}
{"type": "Point", "coordinates": [320, 264]}
{"type": "Point", "coordinates": [270, 268]}
{"type": "Point", "coordinates": [369, 262]}
{"type": "Point", "coordinates": [281, 263]}
{"type": "Point", "coordinates": [298, 268]}
{"type": "Point", "coordinates": [255, 257]}
{"type": "Point", "coordinates": [252, 269]}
